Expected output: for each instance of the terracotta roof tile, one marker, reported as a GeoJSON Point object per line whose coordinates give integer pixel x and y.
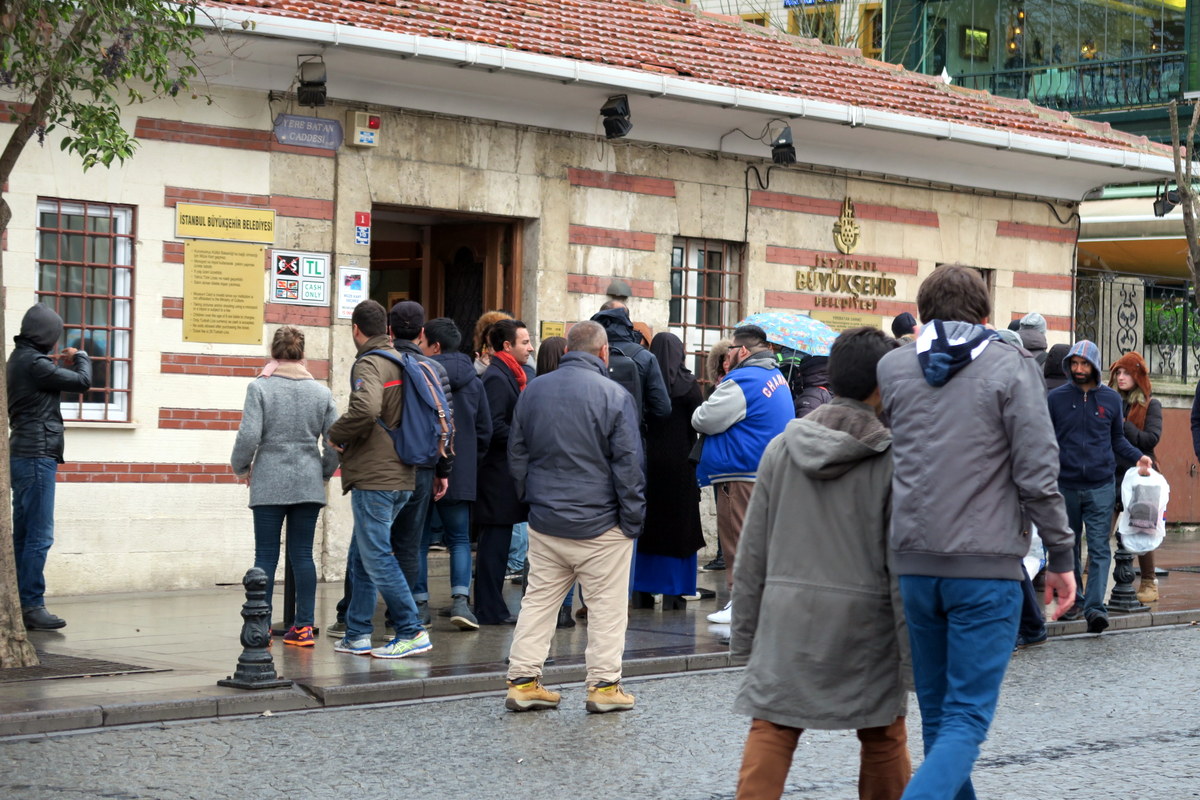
{"type": "Point", "coordinates": [673, 39]}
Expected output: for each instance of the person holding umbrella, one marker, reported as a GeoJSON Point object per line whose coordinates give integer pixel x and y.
{"type": "Point", "coordinates": [802, 344]}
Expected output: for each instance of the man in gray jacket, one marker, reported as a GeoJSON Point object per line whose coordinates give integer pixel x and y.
{"type": "Point", "coordinates": [973, 445]}
{"type": "Point", "coordinates": [581, 473]}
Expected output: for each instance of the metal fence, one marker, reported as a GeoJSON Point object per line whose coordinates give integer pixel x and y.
{"type": "Point", "coordinates": [1156, 316]}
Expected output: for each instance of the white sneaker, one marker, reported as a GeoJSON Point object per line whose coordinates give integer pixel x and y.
{"type": "Point", "coordinates": [724, 616]}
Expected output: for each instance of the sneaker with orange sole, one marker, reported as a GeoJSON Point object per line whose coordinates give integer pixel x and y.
{"type": "Point", "coordinates": [299, 637]}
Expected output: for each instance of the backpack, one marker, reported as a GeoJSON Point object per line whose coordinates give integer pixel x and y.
{"type": "Point", "coordinates": [624, 370]}
{"type": "Point", "coordinates": [426, 432]}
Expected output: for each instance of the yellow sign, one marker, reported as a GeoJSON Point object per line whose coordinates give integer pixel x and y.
{"type": "Point", "coordinates": [549, 329]}
{"type": "Point", "coordinates": [222, 292]}
{"type": "Point", "coordinates": [843, 322]}
{"type": "Point", "coordinates": [846, 231]}
{"type": "Point", "coordinates": [225, 223]}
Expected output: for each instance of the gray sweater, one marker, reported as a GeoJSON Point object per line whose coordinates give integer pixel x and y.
{"type": "Point", "coordinates": [282, 436]}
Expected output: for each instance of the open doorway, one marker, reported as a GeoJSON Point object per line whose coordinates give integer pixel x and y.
{"type": "Point", "coordinates": [455, 265]}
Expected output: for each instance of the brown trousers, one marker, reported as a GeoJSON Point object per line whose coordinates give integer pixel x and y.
{"type": "Point", "coordinates": [883, 772]}
{"type": "Point", "coordinates": [733, 497]}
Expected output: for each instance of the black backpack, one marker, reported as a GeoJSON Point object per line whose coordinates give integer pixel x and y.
{"type": "Point", "coordinates": [624, 370]}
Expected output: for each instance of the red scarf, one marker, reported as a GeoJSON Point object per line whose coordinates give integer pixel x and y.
{"type": "Point", "coordinates": [513, 367]}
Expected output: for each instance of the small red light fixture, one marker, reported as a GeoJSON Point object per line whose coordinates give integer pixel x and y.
{"type": "Point", "coordinates": [373, 122]}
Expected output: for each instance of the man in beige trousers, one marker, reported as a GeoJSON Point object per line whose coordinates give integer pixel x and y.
{"type": "Point", "coordinates": [575, 452]}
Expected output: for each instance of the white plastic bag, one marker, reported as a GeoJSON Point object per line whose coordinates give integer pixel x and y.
{"type": "Point", "coordinates": [1035, 559]}
{"type": "Point", "coordinates": [1143, 522]}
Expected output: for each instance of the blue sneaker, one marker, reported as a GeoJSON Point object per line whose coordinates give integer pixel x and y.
{"type": "Point", "coordinates": [359, 647]}
{"type": "Point", "coordinates": [402, 648]}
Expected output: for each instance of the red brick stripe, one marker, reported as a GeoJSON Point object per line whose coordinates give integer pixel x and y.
{"type": "Point", "coordinates": [592, 284]}
{"type": "Point", "coordinates": [172, 252]}
{"type": "Point", "coordinates": [228, 366]}
{"type": "Point", "coordinates": [607, 237]}
{"type": "Point", "coordinates": [199, 419]}
{"type": "Point", "coordinates": [621, 182]}
{"type": "Point", "coordinates": [167, 130]}
{"type": "Point", "coordinates": [273, 313]}
{"type": "Point", "coordinates": [1030, 280]}
{"type": "Point", "coordinates": [808, 258]}
{"type": "Point", "coordinates": [106, 472]}
{"type": "Point", "coordinates": [1053, 322]}
{"type": "Point", "coordinates": [808, 302]}
{"type": "Point", "coordinates": [833, 208]}
{"type": "Point", "coordinates": [1044, 233]}
{"type": "Point", "coordinates": [9, 112]}
{"type": "Point", "coordinates": [284, 205]}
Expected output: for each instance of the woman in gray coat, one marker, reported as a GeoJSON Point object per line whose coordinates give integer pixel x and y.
{"type": "Point", "coordinates": [280, 453]}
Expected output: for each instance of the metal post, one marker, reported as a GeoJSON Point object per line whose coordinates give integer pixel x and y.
{"type": "Point", "coordinates": [255, 669]}
{"type": "Point", "coordinates": [1124, 597]}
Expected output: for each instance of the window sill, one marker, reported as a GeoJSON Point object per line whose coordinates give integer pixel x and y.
{"type": "Point", "coordinates": [81, 423]}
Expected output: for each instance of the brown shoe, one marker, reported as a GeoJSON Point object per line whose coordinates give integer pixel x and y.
{"type": "Point", "coordinates": [528, 694]}
{"type": "Point", "coordinates": [603, 698]}
{"type": "Point", "coordinates": [1148, 591]}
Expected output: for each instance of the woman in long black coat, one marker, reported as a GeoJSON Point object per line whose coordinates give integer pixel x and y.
{"type": "Point", "coordinates": [666, 551]}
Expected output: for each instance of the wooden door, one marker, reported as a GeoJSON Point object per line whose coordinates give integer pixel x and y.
{"type": "Point", "coordinates": [1178, 463]}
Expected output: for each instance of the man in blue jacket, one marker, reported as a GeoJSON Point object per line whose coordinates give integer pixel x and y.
{"type": "Point", "coordinates": [1090, 428]}
{"type": "Point", "coordinates": [581, 473]}
{"type": "Point", "coordinates": [750, 407]}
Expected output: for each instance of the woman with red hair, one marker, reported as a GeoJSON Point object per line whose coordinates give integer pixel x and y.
{"type": "Point", "coordinates": [1143, 428]}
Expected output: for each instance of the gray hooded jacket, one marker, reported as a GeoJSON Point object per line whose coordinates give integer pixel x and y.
{"type": "Point", "coordinates": [969, 455]}
{"type": "Point", "coordinates": [816, 605]}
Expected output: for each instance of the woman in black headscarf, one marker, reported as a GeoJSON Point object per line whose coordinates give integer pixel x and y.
{"type": "Point", "coordinates": [666, 551]}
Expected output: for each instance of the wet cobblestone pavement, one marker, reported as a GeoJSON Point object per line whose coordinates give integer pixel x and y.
{"type": "Point", "coordinates": [1081, 717]}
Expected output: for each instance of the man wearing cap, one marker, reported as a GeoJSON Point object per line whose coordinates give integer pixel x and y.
{"type": "Point", "coordinates": [1089, 425]}
{"type": "Point", "coordinates": [35, 445]}
{"type": "Point", "coordinates": [747, 409]}
{"type": "Point", "coordinates": [904, 327]}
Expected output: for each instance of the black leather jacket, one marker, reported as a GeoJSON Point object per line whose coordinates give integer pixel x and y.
{"type": "Point", "coordinates": [34, 385]}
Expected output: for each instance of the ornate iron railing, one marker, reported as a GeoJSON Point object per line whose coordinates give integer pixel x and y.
{"type": "Point", "coordinates": [1155, 316]}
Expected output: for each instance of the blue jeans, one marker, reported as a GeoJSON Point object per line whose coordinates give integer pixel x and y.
{"type": "Point", "coordinates": [373, 567]}
{"type": "Point", "coordinates": [409, 526]}
{"type": "Point", "coordinates": [456, 535]}
{"type": "Point", "coordinates": [1090, 511]}
{"type": "Point", "coordinates": [33, 524]}
{"type": "Point", "coordinates": [301, 525]}
{"type": "Point", "coordinates": [962, 632]}
{"type": "Point", "coordinates": [518, 548]}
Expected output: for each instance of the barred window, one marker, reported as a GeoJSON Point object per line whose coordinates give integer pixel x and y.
{"type": "Point", "coordinates": [85, 273]}
{"type": "Point", "coordinates": [706, 295]}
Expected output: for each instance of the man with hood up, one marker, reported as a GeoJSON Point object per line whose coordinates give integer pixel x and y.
{"type": "Point", "coordinates": [622, 338]}
{"type": "Point", "coordinates": [1032, 330]}
{"type": "Point", "coordinates": [36, 449]}
{"type": "Point", "coordinates": [972, 446]}
{"type": "Point", "coordinates": [1089, 424]}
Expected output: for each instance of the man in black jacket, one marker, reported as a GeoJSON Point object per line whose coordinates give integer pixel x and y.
{"type": "Point", "coordinates": [36, 449]}
{"type": "Point", "coordinates": [614, 318]}
{"type": "Point", "coordinates": [581, 473]}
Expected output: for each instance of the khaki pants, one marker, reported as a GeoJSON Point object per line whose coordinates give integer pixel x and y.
{"type": "Point", "coordinates": [883, 772]}
{"type": "Point", "coordinates": [601, 565]}
{"type": "Point", "coordinates": [733, 497]}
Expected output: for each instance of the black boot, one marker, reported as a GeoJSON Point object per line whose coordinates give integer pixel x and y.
{"type": "Point", "coordinates": [564, 618]}
{"type": "Point", "coordinates": [674, 602]}
{"type": "Point", "coordinates": [642, 600]}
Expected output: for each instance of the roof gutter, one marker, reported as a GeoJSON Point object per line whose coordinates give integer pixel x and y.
{"type": "Point", "coordinates": [492, 59]}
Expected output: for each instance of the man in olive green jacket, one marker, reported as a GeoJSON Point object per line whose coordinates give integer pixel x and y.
{"type": "Point", "coordinates": [380, 485]}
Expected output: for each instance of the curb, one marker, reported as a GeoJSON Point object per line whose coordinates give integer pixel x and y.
{"type": "Point", "coordinates": [45, 717]}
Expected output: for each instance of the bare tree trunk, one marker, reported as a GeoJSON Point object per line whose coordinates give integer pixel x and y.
{"type": "Point", "coordinates": [15, 648]}
{"type": "Point", "coordinates": [1182, 153]}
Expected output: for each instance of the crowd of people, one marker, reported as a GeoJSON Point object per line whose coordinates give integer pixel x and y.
{"type": "Point", "coordinates": [873, 507]}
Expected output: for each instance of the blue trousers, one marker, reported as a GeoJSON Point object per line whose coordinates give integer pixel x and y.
{"type": "Point", "coordinates": [33, 524]}
{"type": "Point", "coordinates": [373, 568]}
{"type": "Point", "coordinates": [962, 632]}
{"type": "Point", "coordinates": [301, 526]}
{"type": "Point", "coordinates": [456, 535]}
{"type": "Point", "coordinates": [1089, 512]}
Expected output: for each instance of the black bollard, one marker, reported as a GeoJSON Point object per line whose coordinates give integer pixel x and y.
{"type": "Point", "coordinates": [1124, 596]}
{"type": "Point", "coordinates": [255, 669]}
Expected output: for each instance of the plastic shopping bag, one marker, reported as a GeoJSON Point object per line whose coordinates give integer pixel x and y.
{"type": "Point", "coordinates": [1143, 522]}
{"type": "Point", "coordinates": [1036, 558]}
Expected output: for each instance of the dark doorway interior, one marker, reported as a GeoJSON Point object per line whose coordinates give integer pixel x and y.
{"type": "Point", "coordinates": [455, 265]}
